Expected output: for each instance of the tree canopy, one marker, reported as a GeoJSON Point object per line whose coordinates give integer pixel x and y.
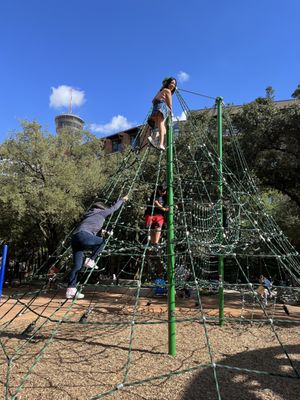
{"type": "Point", "coordinates": [47, 181]}
{"type": "Point", "coordinates": [270, 140]}
{"type": "Point", "coordinates": [296, 93]}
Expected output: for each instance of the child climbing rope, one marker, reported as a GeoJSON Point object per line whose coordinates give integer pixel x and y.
{"type": "Point", "coordinates": [264, 289]}
{"type": "Point", "coordinates": [266, 284]}
{"type": "Point", "coordinates": [85, 237]}
{"type": "Point", "coordinates": [155, 214]}
{"type": "Point", "coordinates": [162, 107]}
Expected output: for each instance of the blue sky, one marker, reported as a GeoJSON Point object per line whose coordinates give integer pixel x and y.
{"type": "Point", "coordinates": [114, 55]}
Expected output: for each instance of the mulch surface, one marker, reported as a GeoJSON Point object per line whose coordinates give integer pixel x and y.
{"type": "Point", "coordinates": [110, 357]}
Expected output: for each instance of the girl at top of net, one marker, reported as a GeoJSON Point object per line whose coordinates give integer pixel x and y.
{"type": "Point", "coordinates": [162, 107]}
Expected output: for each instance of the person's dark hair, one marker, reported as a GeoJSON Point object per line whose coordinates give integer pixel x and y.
{"type": "Point", "coordinates": [161, 188]}
{"type": "Point", "coordinates": [166, 82]}
{"type": "Point", "coordinates": [100, 205]}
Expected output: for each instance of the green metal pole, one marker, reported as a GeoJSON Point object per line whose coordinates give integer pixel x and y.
{"type": "Point", "coordinates": [219, 101]}
{"type": "Point", "coordinates": [170, 243]}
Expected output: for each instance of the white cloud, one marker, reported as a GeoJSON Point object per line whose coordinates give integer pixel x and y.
{"type": "Point", "coordinates": [183, 76]}
{"type": "Point", "coordinates": [61, 96]}
{"type": "Point", "coordinates": [118, 123]}
{"type": "Point", "coordinates": [181, 117]}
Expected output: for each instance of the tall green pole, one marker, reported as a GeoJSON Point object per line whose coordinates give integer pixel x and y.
{"type": "Point", "coordinates": [219, 101]}
{"type": "Point", "coordinates": [170, 243]}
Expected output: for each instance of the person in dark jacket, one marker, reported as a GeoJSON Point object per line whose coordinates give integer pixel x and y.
{"type": "Point", "coordinates": [85, 237]}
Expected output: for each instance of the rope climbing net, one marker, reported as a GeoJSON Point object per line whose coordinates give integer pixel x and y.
{"type": "Point", "coordinates": [113, 343]}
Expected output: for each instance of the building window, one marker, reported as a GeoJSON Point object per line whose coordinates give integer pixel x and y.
{"type": "Point", "coordinates": [116, 145]}
{"type": "Point", "coordinates": [63, 124]}
{"type": "Point", "coordinates": [134, 141]}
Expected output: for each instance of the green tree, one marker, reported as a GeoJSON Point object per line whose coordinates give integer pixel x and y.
{"type": "Point", "coordinates": [270, 140]}
{"type": "Point", "coordinates": [47, 181]}
{"type": "Point", "coordinates": [270, 92]}
{"type": "Point", "coordinates": [285, 213]}
{"type": "Point", "coordinates": [296, 93]}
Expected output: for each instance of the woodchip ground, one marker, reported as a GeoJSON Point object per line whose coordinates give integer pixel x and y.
{"type": "Point", "coordinates": [78, 361]}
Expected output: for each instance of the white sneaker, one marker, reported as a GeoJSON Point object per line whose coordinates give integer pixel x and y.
{"type": "Point", "coordinates": [89, 263]}
{"type": "Point", "coordinates": [72, 293]}
{"type": "Point", "coordinates": [161, 147]}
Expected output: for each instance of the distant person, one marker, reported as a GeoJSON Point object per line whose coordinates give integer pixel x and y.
{"type": "Point", "coordinates": [13, 265]}
{"type": "Point", "coordinates": [51, 275]}
{"type": "Point", "coordinates": [22, 271]}
{"type": "Point", "coordinates": [85, 237]}
{"type": "Point", "coordinates": [162, 108]}
{"type": "Point", "coordinates": [266, 284]}
{"type": "Point", "coordinates": [155, 214]}
{"type": "Point", "coordinates": [9, 272]}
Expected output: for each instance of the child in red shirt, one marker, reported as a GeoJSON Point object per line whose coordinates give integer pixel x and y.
{"type": "Point", "coordinates": [155, 214]}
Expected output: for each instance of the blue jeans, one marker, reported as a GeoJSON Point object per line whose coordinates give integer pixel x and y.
{"type": "Point", "coordinates": [82, 241]}
{"type": "Point", "coordinates": [268, 289]}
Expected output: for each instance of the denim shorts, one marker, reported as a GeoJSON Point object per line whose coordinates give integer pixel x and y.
{"type": "Point", "coordinates": [159, 106]}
